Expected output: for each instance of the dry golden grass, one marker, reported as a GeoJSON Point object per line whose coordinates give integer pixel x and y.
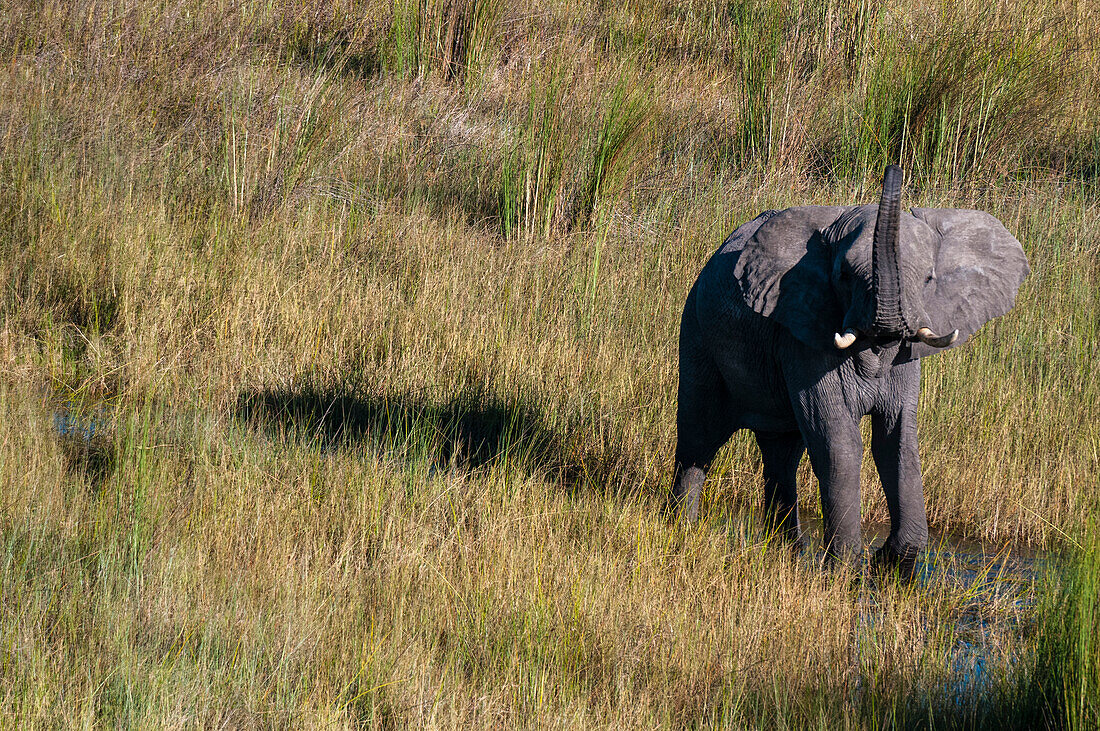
{"type": "Point", "coordinates": [295, 431]}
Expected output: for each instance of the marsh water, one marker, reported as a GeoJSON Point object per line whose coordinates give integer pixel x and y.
{"type": "Point", "coordinates": [999, 583]}
{"type": "Point", "coordinates": [988, 592]}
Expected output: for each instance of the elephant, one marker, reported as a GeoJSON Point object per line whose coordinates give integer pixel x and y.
{"type": "Point", "coordinates": [806, 320]}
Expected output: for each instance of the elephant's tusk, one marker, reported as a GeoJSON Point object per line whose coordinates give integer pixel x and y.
{"type": "Point", "coordinates": [844, 341]}
{"type": "Point", "coordinates": [926, 336]}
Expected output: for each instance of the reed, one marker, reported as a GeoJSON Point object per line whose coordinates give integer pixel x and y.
{"type": "Point", "coordinates": [450, 39]}
{"type": "Point", "coordinates": [1063, 684]}
{"type": "Point", "coordinates": [958, 88]}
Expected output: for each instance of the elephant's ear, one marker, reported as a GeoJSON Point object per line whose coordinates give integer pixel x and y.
{"type": "Point", "coordinates": [976, 274]}
{"type": "Point", "coordinates": [784, 273]}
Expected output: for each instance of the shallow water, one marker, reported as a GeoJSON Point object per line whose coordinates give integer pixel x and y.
{"type": "Point", "coordinates": [959, 560]}
{"type": "Point", "coordinates": [989, 589]}
{"type": "Point", "coordinates": [976, 597]}
{"type": "Point", "coordinates": [999, 584]}
{"type": "Point", "coordinates": [77, 426]}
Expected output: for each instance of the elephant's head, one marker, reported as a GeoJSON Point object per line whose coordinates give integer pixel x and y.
{"type": "Point", "coordinates": [874, 275]}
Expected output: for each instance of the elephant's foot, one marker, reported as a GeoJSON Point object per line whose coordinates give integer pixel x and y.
{"type": "Point", "coordinates": [843, 545]}
{"type": "Point", "coordinates": [886, 559]}
{"type": "Point", "coordinates": [842, 559]}
{"type": "Point", "coordinates": [843, 570]}
{"type": "Point", "coordinates": [686, 490]}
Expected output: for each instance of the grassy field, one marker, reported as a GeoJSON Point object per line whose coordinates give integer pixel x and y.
{"type": "Point", "coordinates": [338, 360]}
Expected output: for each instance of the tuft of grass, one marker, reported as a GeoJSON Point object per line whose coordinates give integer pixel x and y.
{"type": "Point", "coordinates": [566, 161]}
{"type": "Point", "coordinates": [761, 39]}
{"type": "Point", "coordinates": [534, 176]}
{"type": "Point", "coordinates": [449, 38]}
{"type": "Point", "coordinates": [624, 113]}
{"type": "Point", "coordinates": [1063, 687]}
{"type": "Point", "coordinates": [957, 87]}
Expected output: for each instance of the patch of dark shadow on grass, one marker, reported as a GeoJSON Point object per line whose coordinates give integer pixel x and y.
{"type": "Point", "coordinates": [337, 52]}
{"type": "Point", "coordinates": [469, 430]}
{"type": "Point", "coordinates": [326, 43]}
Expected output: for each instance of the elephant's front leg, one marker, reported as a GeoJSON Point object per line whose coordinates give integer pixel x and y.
{"type": "Point", "coordinates": [704, 416]}
{"type": "Point", "coordinates": [703, 425]}
{"type": "Point", "coordinates": [836, 453]}
{"type": "Point", "coordinates": [894, 447]}
{"type": "Point", "coordinates": [828, 409]}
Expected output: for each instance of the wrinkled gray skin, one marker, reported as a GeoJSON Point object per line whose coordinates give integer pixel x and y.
{"type": "Point", "coordinates": [757, 352]}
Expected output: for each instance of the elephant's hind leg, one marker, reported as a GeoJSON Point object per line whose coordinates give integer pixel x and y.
{"type": "Point", "coordinates": [780, 454]}
{"type": "Point", "coordinates": [704, 419]}
{"type": "Point", "coordinates": [703, 425]}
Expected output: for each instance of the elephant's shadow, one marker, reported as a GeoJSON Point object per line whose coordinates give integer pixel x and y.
{"type": "Point", "coordinates": [469, 431]}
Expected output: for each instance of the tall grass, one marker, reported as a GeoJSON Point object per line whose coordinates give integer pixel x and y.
{"type": "Point", "coordinates": [624, 111]}
{"type": "Point", "coordinates": [958, 88]}
{"type": "Point", "coordinates": [338, 359]}
{"type": "Point", "coordinates": [1064, 687]}
{"type": "Point", "coordinates": [567, 159]}
{"type": "Point", "coordinates": [449, 38]}
{"type": "Point", "coordinates": [761, 31]}
{"type": "Point", "coordinates": [533, 182]}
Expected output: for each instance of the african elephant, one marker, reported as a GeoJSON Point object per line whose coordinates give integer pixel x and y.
{"type": "Point", "coordinates": [806, 320]}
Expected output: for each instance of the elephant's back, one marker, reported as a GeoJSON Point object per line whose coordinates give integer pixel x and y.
{"type": "Point", "coordinates": [736, 241]}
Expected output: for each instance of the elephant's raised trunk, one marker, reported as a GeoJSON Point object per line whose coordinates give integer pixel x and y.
{"type": "Point", "coordinates": [885, 259]}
